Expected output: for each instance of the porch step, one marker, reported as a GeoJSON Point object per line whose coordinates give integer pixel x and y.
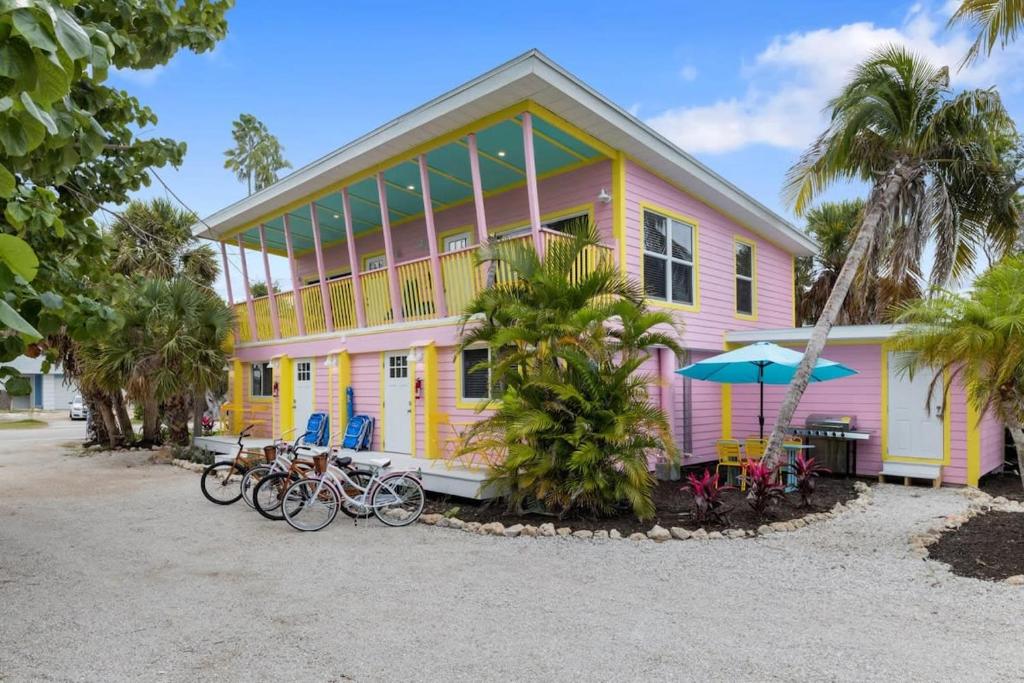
{"type": "Point", "coordinates": [908, 471]}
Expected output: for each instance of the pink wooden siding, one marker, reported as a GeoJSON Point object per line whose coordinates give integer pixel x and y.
{"type": "Point", "coordinates": [706, 414]}
{"type": "Point", "coordinates": [557, 193]}
{"type": "Point", "coordinates": [716, 283]}
{"type": "Point", "coordinates": [993, 443]}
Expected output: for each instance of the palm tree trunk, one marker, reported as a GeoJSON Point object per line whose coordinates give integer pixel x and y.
{"type": "Point", "coordinates": [124, 419]}
{"type": "Point", "coordinates": [884, 193]}
{"type": "Point", "coordinates": [198, 409]}
{"type": "Point", "coordinates": [150, 420]}
{"type": "Point", "coordinates": [109, 424]}
{"type": "Point", "coordinates": [1017, 433]}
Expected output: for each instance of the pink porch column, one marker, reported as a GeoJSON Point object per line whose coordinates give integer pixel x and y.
{"type": "Point", "coordinates": [300, 317]}
{"type": "Point", "coordinates": [227, 284]}
{"type": "Point", "coordinates": [667, 373]}
{"type": "Point", "coordinates": [249, 305]}
{"type": "Point", "coordinates": [478, 189]}
{"type": "Point", "coordinates": [325, 291]}
{"type": "Point", "coordinates": [440, 305]}
{"type": "Point", "coordinates": [353, 260]}
{"type": "Point", "coordinates": [389, 252]}
{"type": "Point", "coordinates": [531, 181]}
{"type": "Point", "coordinates": [274, 319]}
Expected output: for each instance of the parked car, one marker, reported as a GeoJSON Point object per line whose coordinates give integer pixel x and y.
{"type": "Point", "coordinates": [78, 411]}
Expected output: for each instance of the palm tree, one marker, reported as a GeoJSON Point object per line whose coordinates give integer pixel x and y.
{"type": "Point", "coordinates": [574, 421]}
{"type": "Point", "coordinates": [833, 225]}
{"type": "Point", "coordinates": [979, 339]}
{"type": "Point", "coordinates": [933, 162]}
{"type": "Point", "coordinates": [996, 22]}
{"type": "Point", "coordinates": [257, 155]}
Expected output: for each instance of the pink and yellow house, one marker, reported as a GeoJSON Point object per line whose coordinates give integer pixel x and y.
{"type": "Point", "coordinates": [380, 238]}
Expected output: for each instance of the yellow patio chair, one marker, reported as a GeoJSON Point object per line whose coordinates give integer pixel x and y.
{"type": "Point", "coordinates": [730, 454]}
{"type": "Point", "coordinates": [755, 447]}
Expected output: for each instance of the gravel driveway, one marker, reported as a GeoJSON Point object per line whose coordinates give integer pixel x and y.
{"type": "Point", "coordinates": [111, 569]}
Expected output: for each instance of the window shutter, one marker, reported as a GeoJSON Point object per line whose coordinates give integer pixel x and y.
{"type": "Point", "coordinates": [474, 383]}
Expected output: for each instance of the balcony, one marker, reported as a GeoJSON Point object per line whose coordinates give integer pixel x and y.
{"type": "Point", "coordinates": [461, 279]}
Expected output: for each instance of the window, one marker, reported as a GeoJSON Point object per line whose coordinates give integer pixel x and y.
{"type": "Point", "coordinates": [456, 242]}
{"type": "Point", "coordinates": [744, 277]}
{"type": "Point", "coordinates": [476, 384]}
{"type": "Point", "coordinates": [262, 380]}
{"type": "Point", "coordinates": [375, 262]}
{"type": "Point", "coordinates": [668, 259]}
{"type": "Point", "coordinates": [560, 224]}
{"type": "Point", "coordinates": [398, 367]}
{"type": "Point", "coordinates": [303, 371]}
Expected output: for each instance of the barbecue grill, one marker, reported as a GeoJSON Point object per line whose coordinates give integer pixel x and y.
{"type": "Point", "coordinates": [831, 430]}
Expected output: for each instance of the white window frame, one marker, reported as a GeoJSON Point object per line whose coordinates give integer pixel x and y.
{"type": "Point", "coordinates": [752, 278]}
{"type": "Point", "coordinates": [669, 258]}
{"type": "Point", "coordinates": [266, 366]}
{"type": "Point", "coordinates": [448, 242]}
{"type": "Point", "coordinates": [377, 262]}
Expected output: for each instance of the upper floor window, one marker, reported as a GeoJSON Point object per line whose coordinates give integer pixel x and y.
{"type": "Point", "coordinates": [261, 380]}
{"type": "Point", "coordinates": [745, 290]}
{"type": "Point", "coordinates": [375, 262]}
{"type": "Point", "coordinates": [668, 259]}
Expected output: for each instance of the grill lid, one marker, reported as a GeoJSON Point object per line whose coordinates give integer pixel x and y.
{"type": "Point", "coordinates": [831, 421]}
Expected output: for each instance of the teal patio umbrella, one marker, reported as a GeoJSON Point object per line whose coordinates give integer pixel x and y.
{"type": "Point", "coordinates": [761, 363]}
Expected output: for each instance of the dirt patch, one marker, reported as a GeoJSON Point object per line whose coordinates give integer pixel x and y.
{"type": "Point", "coordinates": [1006, 484]}
{"type": "Point", "coordinates": [989, 546]}
{"type": "Point", "coordinates": [673, 509]}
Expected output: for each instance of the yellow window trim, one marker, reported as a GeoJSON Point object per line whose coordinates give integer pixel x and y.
{"type": "Point", "coordinates": [363, 258]}
{"type": "Point", "coordinates": [441, 236]}
{"type": "Point", "coordinates": [695, 225]}
{"type": "Point", "coordinates": [248, 374]}
{"type": "Point", "coordinates": [739, 239]}
{"type": "Point", "coordinates": [946, 419]}
{"type": "Point", "coordinates": [470, 403]}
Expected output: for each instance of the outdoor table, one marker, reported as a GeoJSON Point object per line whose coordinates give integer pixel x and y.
{"type": "Point", "coordinates": [791, 450]}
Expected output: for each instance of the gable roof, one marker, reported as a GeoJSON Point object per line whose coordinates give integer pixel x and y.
{"type": "Point", "coordinates": [534, 77]}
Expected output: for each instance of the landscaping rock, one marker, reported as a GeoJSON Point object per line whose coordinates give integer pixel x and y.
{"type": "Point", "coordinates": [514, 530]}
{"type": "Point", "coordinates": [637, 536]}
{"type": "Point", "coordinates": [563, 531]}
{"type": "Point", "coordinates": [679, 533]}
{"type": "Point", "coordinates": [472, 527]}
{"type": "Point", "coordinates": [700, 535]}
{"type": "Point", "coordinates": [546, 529]}
{"type": "Point", "coordinates": [659, 534]}
{"type": "Point", "coordinates": [799, 523]}
{"type": "Point", "coordinates": [764, 529]}
{"type": "Point", "coordinates": [779, 526]}
{"type": "Point", "coordinates": [497, 529]}
{"type": "Point", "coordinates": [614, 535]}
{"type": "Point", "coordinates": [715, 535]}
{"type": "Point", "coordinates": [583, 533]}
{"type": "Point", "coordinates": [1015, 580]}
{"type": "Point", "coordinates": [529, 530]}
{"type": "Point", "coordinates": [736, 533]}
{"type": "Point", "coordinates": [455, 523]}
{"type": "Point", "coordinates": [443, 522]}
{"type": "Point", "coordinates": [601, 535]}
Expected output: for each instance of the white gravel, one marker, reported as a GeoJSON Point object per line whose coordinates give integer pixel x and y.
{"type": "Point", "coordinates": [110, 572]}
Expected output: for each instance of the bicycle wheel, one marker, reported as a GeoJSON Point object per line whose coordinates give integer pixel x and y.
{"type": "Point", "coordinates": [266, 497]}
{"type": "Point", "coordinates": [310, 505]}
{"type": "Point", "coordinates": [221, 483]}
{"type": "Point", "coordinates": [362, 478]}
{"type": "Point", "coordinates": [397, 499]}
{"type": "Point", "coordinates": [250, 480]}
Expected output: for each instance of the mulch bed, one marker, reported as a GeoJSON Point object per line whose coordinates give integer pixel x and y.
{"type": "Point", "coordinates": [1006, 484]}
{"type": "Point", "coordinates": [989, 546]}
{"type": "Point", "coordinates": [672, 509]}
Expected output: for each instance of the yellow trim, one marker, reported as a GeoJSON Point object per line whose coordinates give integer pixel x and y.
{"type": "Point", "coordinates": [739, 239]}
{"type": "Point", "coordinates": [792, 285]}
{"type": "Point", "coordinates": [619, 206]}
{"type": "Point", "coordinates": [307, 280]}
{"type": "Point", "coordinates": [285, 395]}
{"type": "Point", "coordinates": [726, 411]}
{"type": "Point", "coordinates": [693, 223]}
{"type": "Point", "coordinates": [431, 405]}
{"type": "Point", "coordinates": [411, 376]}
{"type": "Point", "coordinates": [493, 159]}
{"type": "Point", "coordinates": [946, 420]}
{"type": "Point", "coordinates": [383, 371]}
{"type": "Point", "coordinates": [471, 229]}
{"type": "Point", "coordinates": [344, 382]}
{"type": "Point", "coordinates": [372, 254]}
{"type": "Point", "coordinates": [237, 382]}
{"type": "Point", "coordinates": [253, 398]}
{"type": "Point", "coordinates": [462, 402]}
{"type": "Point", "coordinates": [973, 444]}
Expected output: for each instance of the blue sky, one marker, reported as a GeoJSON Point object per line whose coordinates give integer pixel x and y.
{"type": "Point", "coordinates": [740, 85]}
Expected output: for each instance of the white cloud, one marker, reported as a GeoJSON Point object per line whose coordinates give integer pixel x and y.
{"type": "Point", "coordinates": [688, 73]}
{"type": "Point", "coordinates": [792, 79]}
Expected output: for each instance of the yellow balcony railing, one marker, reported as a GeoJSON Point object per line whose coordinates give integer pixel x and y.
{"type": "Point", "coordinates": [313, 309]}
{"type": "Point", "coordinates": [462, 279]}
{"type": "Point", "coordinates": [586, 262]}
{"type": "Point", "coordinates": [343, 303]}
{"type": "Point", "coordinates": [376, 297]}
{"type": "Point", "coordinates": [242, 318]}
{"type": "Point", "coordinates": [264, 324]}
{"type": "Point", "coordinates": [286, 314]}
{"type": "Point", "coordinates": [416, 286]}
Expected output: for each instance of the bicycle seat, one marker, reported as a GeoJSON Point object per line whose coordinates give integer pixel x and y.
{"type": "Point", "coordinates": [379, 462]}
{"type": "Point", "coordinates": [312, 451]}
{"type": "Point", "coordinates": [343, 462]}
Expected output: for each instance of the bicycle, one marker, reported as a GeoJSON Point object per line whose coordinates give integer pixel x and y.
{"type": "Point", "coordinates": [219, 483]}
{"type": "Point", "coordinates": [396, 498]}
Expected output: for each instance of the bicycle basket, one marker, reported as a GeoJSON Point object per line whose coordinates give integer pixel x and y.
{"type": "Point", "coordinates": [320, 463]}
{"type": "Point", "coordinates": [269, 453]}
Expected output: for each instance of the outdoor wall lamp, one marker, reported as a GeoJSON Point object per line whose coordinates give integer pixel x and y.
{"type": "Point", "coordinates": [604, 197]}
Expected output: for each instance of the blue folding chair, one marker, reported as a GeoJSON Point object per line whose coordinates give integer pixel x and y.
{"type": "Point", "coordinates": [359, 433]}
{"type": "Point", "coordinates": [317, 431]}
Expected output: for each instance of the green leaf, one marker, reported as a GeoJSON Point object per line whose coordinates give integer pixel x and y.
{"type": "Point", "coordinates": [28, 24]}
{"type": "Point", "coordinates": [38, 114]}
{"type": "Point", "coordinates": [7, 183]}
{"type": "Point", "coordinates": [18, 386]}
{"type": "Point", "coordinates": [18, 256]}
{"type": "Point", "coordinates": [35, 131]}
{"type": "Point", "coordinates": [53, 81]}
{"type": "Point", "coordinates": [13, 137]}
{"type": "Point", "coordinates": [12, 319]}
{"type": "Point", "coordinates": [17, 62]}
{"type": "Point", "coordinates": [51, 300]}
{"type": "Point", "coordinates": [72, 37]}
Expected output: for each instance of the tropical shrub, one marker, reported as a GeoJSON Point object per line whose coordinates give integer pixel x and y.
{"type": "Point", "coordinates": [763, 489]}
{"type": "Point", "coordinates": [806, 471]}
{"type": "Point", "coordinates": [707, 496]}
{"type": "Point", "coordinates": [573, 418]}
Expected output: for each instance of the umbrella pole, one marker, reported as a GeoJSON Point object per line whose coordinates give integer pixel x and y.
{"type": "Point", "coordinates": [760, 415]}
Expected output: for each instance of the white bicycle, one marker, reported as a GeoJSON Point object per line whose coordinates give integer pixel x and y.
{"type": "Point", "coordinates": [395, 497]}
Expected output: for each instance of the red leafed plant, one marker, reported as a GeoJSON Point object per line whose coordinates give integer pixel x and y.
{"type": "Point", "coordinates": [707, 496]}
{"type": "Point", "coordinates": [806, 471]}
{"type": "Point", "coordinates": [763, 489]}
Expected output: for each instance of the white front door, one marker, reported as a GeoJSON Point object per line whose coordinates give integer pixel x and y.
{"type": "Point", "coordinates": [397, 403]}
{"type": "Point", "coordinates": [302, 402]}
{"type": "Point", "coordinates": [915, 431]}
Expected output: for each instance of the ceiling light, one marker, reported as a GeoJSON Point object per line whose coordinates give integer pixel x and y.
{"type": "Point", "coordinates": [337, 216]}
{"type": "Point", "coordinates": [410, 187]}
{"type": "Point", "coordinates": [502, 153]}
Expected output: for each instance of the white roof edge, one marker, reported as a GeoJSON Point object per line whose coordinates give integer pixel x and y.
{"type": "Point", "coordinates": [802, 334]}
{"type": "Point", "coordinates": [532, 62]}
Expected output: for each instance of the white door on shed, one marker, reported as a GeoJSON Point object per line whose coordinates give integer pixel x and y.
{"type": "Point", "coordinates": [397, 403]}
{"type": "Point", "coordinates": [302, 398]}
{"type": "Point", "coordinates": [915, 431]}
